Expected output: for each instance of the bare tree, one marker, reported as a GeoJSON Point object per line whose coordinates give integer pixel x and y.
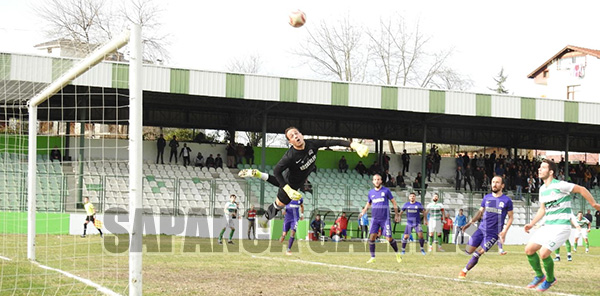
{"type": "Point", "coordinates": [401, 57]}
{"type": "Point", "coordinates": [336, 51]}
{"type": "Point", "coordinates": [89, 23]}
{"type": "Point", "coordinates": [248, 64]}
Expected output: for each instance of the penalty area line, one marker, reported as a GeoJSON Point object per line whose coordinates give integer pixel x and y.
{"type": "Point", "coordinates": [102, 289]}
{"type": "Point", "coordinates": [406, 274]}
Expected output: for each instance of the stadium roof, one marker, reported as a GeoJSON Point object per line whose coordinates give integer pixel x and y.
{"type": "Point", "coordinates": [175, 97]}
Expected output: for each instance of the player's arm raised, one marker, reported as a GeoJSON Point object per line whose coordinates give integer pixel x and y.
{"type": "Point", "coordinates": [361, 150]}
{"type": "Point", "coordinates": [478, 216]}
{"type": "Point", "coordinates": [587, 195]}
{"type": "Point", "coordinates": [540, 214]}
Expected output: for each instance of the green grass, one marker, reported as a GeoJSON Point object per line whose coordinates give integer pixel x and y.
{"type": "Point", "coordinates": [193, 266]}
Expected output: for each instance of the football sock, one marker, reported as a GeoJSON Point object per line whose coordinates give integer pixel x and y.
{"type": "Point", "coordinates": [549, 267]}
{"type": "Point", "coordinates": [557, 252]}
{"type": "Point", "coordinates": [394, 245]}
{"type": "Point", "coordinates": [231, 234]}
{"type": "Point", "coordinates": [421, 242]}
{"type": "Point", "coordinates": [272, 211]}
{"type": "Point", "coordinates": [100, 230]}
{"type": "Point", "coordinates": [473, 261]}
{"type": "Point", "coordinates": [221, 235]}
{"type": "Point", "coordinates": [84, 228]}
{"type": "Point", "coordinates": [431, 240]}
{"type": "Point", "coordinates": [568, 245]}
{"type": "Point", "coordinates": [534, 261]}
{"type": "Point", "coordinates": [439, 240]}
{"type": "Point", "coordinates": [372, 248]}
{"type": "Point", "coordinates": [500, 246]}
{"type": "Point", "coordinates": [587, 244]}
{"type": "Point", "coordinates": [290, 243]}
{"type": "Point", "coordinates": [403, 244]}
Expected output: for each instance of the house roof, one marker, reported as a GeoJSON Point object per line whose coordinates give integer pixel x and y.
{"type": "Point", "coordinates": [567, 49]}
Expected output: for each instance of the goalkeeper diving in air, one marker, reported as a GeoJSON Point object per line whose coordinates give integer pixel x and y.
{"type": "Point", "coordinates": [294, 167]}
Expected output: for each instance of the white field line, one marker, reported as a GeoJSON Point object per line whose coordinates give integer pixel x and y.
{"type": "Point", "coordinates": [405, 273]}
{"type": "Point", "coordinates": [102, 289]}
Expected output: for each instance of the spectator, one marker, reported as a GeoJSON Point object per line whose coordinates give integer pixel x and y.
{"type": "Point", "coordinates": [587, 179]}
{"type": "Point", "coordinates": [458, 177]}
{"type": "Point", "coordinates": [478, 176]}
{"type": "Point", "coordinates": [55, 154]}
{"type": "Point", "coordinates": [405, 161]}
{"type": "Point", "coordinates": [460, 220]}
{"type": "Point", "coordinates": [597, 216]}
{"type": "Point", "coordinates": [418, 182]}
{"type": "Point", "coordinates": [385, 162]}
{"type": "Point", "coordinates": [467, 177]}
{"type": "Point", "coordinates": [251, 216]}
{"type": "Point", "coordinates": [318, 226]}
{"type": "Point", "coordinates": [307, 187]}
{"type": "Point", "coordinates": [210, 161]}
{"type": "Point", "coordinates": [342, 223]}
{"type": "Point", "coordinates": [334, 230]}
{"type": "Point", "coordinates": [360, 168]}
{"type": "Point", "coordinates": [218, 161]}
{"type": "Point", "coordinates": [230, 149]}
{"type": "Point", "coordinates": [249, 154]}
{"type": "Point", "coordinates": [446, 228]}
{"type": "Point", "coordinates": [375, 168]}
{"type": "Point", "coordinates": [240, 152]}
{"type": "Point", "coordinates": [174, 146]}
{"type": "Point", "coordinates": [400, 180]}
{"type": "Point", "coordinates": [437, 160]}
{"type": "Point", "coordinates": [199, 160]}
{"type": "Point", "coordinates": [459, 160]}
{"type": "Point", "coordinates": [388, 180]}
{"type": "Point", "coordinates": [343, 165]}
{"type": "Point", "coordinates": [363, 225]}
{"type": "Point", "coordinates": [161, 143]}
{"type": "Point", "coordinates": [428, 166]}
{"type": "Point", "coordinates": [589, 216]}
{"type": "Point", "coordinates": [519, 186]}
{"type": "Point", "coordinates": [185, 153]}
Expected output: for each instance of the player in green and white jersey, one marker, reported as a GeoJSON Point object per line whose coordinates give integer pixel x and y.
{"type": "Point", "coordinates": [435, 221]}
{"type": "Point", "coordinates": [230, 210]}
{"type": "Point", "coordinates": [585, 225]}
{"type": "Point", "coordinates": [555, 207]}
{"type": "Point", "coordinates": [568, 242]}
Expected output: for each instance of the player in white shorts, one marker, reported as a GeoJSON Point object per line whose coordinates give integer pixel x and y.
{"type": "Point", "coordinates": [435, 221]}
{"type": "Point", "coordinates": [555, 207]}
{"type": "Point", "coordinates": [585, 225]}
{"type": "Point", "coordinates": [230, 210]}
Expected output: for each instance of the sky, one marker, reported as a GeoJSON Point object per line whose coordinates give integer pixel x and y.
{"type": "Point", "coordinates": [486, 36]}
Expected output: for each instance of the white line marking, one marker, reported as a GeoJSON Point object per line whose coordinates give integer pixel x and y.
{"type": "Point", "coordinates": [406, 273]}
{"type": "Point", "coordinates": [5, 258]}
{"type": "Point", "coordinates": [104, 290]}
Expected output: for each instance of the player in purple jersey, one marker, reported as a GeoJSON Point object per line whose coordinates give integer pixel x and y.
{"type": "Point", "coordinates": [293, 212]}
{"type": "Point", "coordinates": [292, 170]}
{"type": "Point", "coordinates": [493, 211]}
{"type": "Point", "coordinates": [379, 200]}
{"type": "Point", "coordinates": [413, 210]}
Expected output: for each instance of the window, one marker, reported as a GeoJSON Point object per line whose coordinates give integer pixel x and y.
{"type": "Point", "coordinates": [571, 90]}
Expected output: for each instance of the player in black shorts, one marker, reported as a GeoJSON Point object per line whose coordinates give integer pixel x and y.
{"type": "Point", "coordinates": [293, 169]}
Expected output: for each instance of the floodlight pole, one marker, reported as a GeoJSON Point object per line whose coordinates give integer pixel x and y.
{"type": "Point", "coordinates": [135, 162]}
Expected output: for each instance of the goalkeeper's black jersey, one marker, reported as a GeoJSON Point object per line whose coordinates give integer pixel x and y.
{"type": "Point", "coordinates": [300, 163]}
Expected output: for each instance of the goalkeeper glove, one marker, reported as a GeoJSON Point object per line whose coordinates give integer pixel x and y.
{"type": "Point", "coordinates": [293, 194]}
{"type": "Point", "coordinates": [361, 150]}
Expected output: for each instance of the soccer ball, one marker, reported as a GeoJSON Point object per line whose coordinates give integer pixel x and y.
{"type": "Point", "coordinates": [297, 18]}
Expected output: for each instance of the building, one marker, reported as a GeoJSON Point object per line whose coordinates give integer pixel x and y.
{"type": "Point", "coordinates": [571, 74]}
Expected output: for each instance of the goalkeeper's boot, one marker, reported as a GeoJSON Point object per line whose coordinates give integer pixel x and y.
{"type": "Point", "coordinates": [249, 173]}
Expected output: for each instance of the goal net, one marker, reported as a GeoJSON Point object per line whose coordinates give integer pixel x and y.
{"type": "Point", "coordinates": [64, 140]}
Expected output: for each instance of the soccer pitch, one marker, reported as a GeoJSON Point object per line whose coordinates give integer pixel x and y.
{"type": "Point", "coordinates": [193, 266]}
